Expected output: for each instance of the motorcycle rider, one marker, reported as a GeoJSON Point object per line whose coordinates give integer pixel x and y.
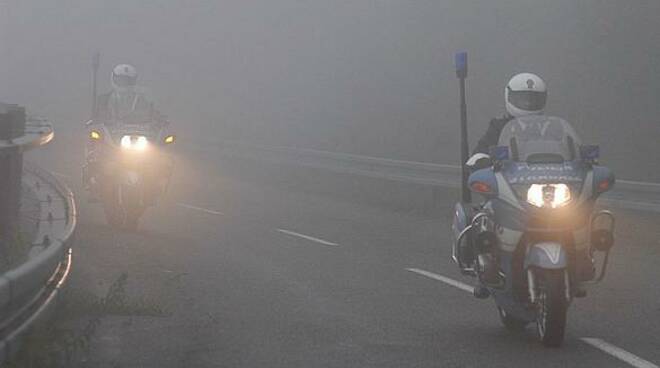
{"type": "Point", "coordinates": [525, 94]}
{"type": "Point", "coordinates": [125, 102]}
{"type": "Point", "coordinates": [125, 98]}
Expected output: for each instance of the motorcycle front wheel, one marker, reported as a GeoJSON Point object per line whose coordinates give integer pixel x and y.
{"type": "Point", "coordinates": [131, 206]}
{"type": "Point", "coordinates": [124, 215]}
{"type": "Point", "coordinates": [552, 307]}
{"type": "Point", "coordinates": [132, 218]}
{"type": "Point", "coordinates": [114, 214]}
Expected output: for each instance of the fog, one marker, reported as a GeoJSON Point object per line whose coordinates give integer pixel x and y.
{"type": "Point", "coordinates": [369, 77]}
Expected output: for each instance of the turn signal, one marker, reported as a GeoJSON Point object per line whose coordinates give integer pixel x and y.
{"type": "Point", "coordinates": [604, 186]}
{"type": "Point", "coordinates": [480, 187]}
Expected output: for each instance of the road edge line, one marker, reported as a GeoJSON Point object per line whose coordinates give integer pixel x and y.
{"type": "Point", "coordinates": [618, 353]}
{"type": "Point", "coordinates": [445, 279]}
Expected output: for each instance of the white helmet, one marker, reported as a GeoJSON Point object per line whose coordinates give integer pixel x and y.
{"type": "Point", "coordinates": [124, 76]}
{"type": "Point", "coordinates": [525, 94]}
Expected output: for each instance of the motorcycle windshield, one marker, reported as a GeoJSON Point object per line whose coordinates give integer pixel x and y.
{"type": "Point", "coordinates": [539, 139]}
{"type": "Point", "coordinates": [131, 106]}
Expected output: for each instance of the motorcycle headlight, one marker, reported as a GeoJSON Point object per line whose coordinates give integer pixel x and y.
{"type": "Point", "coordinates": [134, 142]}
{"type": "Point", "coordinates": [548, 195]}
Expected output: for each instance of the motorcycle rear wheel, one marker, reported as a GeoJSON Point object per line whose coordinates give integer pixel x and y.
{"type": "Point", "coordinates": [125, 216]}
{"type": "Point", "coordinates": [551, 307]}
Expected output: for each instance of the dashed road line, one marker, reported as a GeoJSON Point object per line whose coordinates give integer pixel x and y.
{"type": "Point", "coordinates": [201, 209]}
{"type": "Point", "coordinates": [599, 344]}
{"type": "Point", "coordinates": [307, 237]}
{"type": "Point", "coordinates": [446, 280]}
{"type": "Point", "coordinates": [618, 353]}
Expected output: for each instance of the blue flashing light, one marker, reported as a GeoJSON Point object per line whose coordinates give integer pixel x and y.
{"type": "Point", "coordinates": [590, 152]}
{"type": "Point", "coordinates": [499, 153]}
{"type": "Point", "coordinates": [460, 61]}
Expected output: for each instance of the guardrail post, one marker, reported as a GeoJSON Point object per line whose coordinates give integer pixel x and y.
{"type": "Point", "coordinates": [12, 125]}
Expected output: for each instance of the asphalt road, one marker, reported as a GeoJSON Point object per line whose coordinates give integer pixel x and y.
{"type": "Point", "coordinates": [249, 274]}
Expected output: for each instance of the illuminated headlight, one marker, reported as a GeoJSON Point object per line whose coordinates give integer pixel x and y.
{"type": "Point", "coordinates": [134, 142]}
{"type": "Point", "coordinates": [549, 195]}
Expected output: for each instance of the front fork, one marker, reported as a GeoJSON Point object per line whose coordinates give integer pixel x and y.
{"type": "Point", "coordinates": [532, 286]}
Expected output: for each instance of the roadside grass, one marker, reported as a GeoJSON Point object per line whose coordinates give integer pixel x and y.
{"type": "Point", "coordinates": [15, 251]}
{"type": "Point", "coordinates": [57, 344]}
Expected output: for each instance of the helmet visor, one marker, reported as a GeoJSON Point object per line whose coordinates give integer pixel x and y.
{"type": "Point", "coordinates": [124, 80]}
{"type": "Point", "coordinates": [528, 100]}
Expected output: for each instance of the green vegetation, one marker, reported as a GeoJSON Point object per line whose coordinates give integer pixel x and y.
{"type": "Point", "coordinates": [58, 345]}
{"type": "Point", "coordinates": [14, 251]}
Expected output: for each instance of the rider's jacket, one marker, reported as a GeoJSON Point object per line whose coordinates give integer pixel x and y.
{"type": "Point", "coordinates": [115, 106]}
{"type": "Point", "coordinates": [492, 135]}
{"type": "Point", "coordinates": [118, 106]}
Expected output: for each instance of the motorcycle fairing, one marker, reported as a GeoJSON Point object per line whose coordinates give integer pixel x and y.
{"type": "Point", "coordinates": [546, 255]}
{"type": "Point", "coordinates": [569, 172]}
{"type": "Point", "coordinates": [486, 176]}
{"type": "Point", "coordinates": [461, 219]}
{"type": "Point", "coordinates": [508, 216]}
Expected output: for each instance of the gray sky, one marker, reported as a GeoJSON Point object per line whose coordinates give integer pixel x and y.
{"type": "Point", "coordinates": [372, 77]}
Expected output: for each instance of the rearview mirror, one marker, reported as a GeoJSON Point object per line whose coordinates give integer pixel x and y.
{"type": "Point", "coordinates": [479, 161]}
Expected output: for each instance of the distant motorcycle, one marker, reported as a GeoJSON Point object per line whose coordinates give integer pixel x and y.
{"type": "Point", "coordinates": [537, 240]}
{"type": "Point", "coordinates": [133, 168]}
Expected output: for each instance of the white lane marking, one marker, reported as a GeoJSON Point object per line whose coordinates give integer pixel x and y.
{"type": "Point", "coordinates": [618, 353]}
{"type": "Point", "coordinates": [634, 182]}
{"type": "Point", "coordinates": [206, 210]}
{"type": "Point", "coordinates": [600, 344]}
{"type": "Point", "coordinates": [293, 233]}
{"type": "Point", "coordinates": [446, 280]}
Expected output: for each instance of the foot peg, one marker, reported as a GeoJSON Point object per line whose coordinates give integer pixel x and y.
{"type": "Point", "coordinates": [489, 271]}
{"type": "Point", "coordinates": [481, 292]}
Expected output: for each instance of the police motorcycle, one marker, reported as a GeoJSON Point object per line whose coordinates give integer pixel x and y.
{"type": "Point", "coordinates": [537, 240]}
{"type": "Point", "coordinates": [134, 167]}
{"type": "Point", "coordinates": [128, 164]}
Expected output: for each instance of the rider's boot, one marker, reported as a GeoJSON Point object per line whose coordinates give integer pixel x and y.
{"type": "Point", "coordinates": [481, 292]}
{"type": "Point", "coordinates": [488, 269]}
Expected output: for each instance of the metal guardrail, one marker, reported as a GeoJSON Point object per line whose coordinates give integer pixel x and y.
{"type": "Point", "coordinates": [626, 194]}
{"type": "Point", "coordinates": [28, 291]}
{"type": "Point", "coordinates": [38, 132]}
{"type": "Point", "coordinates": [375, 167]}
